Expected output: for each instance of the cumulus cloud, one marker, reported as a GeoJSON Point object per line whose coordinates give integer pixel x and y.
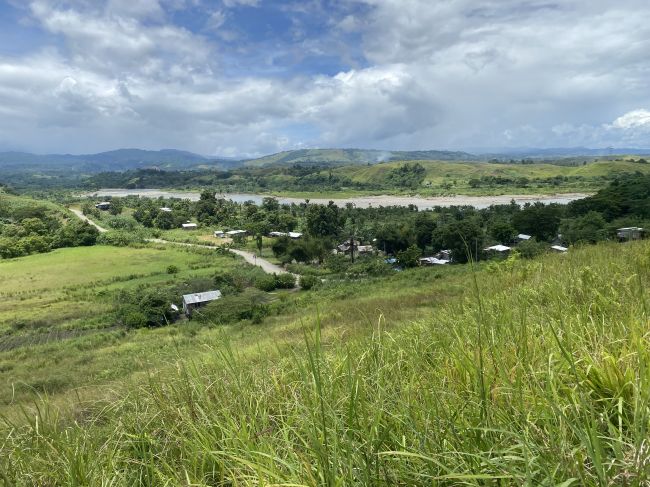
{"type": "Point", "coordinates": [634, 119]}
{"type": "Point", "coordinates": [426, 75]}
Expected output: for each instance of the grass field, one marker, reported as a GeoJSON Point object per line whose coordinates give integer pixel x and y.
{"type": "Point", "coordinates": [56, 320]}
{"type": "Point", "coordinates": [520, 373]}
{"type": "Point", "coordinates": [587, 177]}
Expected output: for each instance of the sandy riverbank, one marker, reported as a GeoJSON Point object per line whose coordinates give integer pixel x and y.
{"type": "Point", "coordinates": [359, 201]}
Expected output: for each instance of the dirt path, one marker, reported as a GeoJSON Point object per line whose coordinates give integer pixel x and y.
{"type": "Point", "coordinates": [266, 266]}
{"type": "Point", "coordinates": [87, 220]}
{"type": "Point", "coordinates": [249, 257]}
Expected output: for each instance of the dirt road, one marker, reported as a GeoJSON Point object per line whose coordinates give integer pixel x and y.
{"type": "Point", "coordinates": [88, 220]}
{"type": "Point", "coordinates": [249, 257]}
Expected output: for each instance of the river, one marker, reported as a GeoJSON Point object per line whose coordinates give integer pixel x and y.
{"type": "Point", "coordinates": [359, 201]}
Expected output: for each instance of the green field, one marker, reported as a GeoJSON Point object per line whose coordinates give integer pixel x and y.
{"type": "Point", "coordinates": [520, 373]}
{"type": "Point", "coordinates": [457, 175]}
{"type": "Point", "coordinates": [56, 311]}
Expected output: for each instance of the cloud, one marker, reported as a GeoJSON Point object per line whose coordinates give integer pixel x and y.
{"type": "Point", "coordinates": [390, 74]}
{"type": "Point", "coordinates": [236, 3]}
{"type": "Point", "coordinates": [633, 120]}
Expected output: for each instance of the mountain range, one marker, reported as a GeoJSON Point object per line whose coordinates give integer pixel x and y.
{"type": "Point", "coordinates": [171, 159]}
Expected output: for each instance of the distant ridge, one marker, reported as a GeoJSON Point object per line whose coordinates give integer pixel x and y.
{"type": "Point", "coordinates": [355, 157]}
{"type": "Point", "coordinates": [116, 160]}
{"type": "Point", "coordinates": [566, 152]}
{"type": "Point", "coordinates": [171, 159]}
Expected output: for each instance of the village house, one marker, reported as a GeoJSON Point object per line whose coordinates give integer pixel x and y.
{"type": "Point", "coordinates": [365, 249]}
{"type": "Point", "coordinates": [444, 255]}
{"type": "Point", "coordinates": [426, 261]}
{"type": "Point", "coordinates": [104, 205]}
{"type": "Point", "coordinates": [630, 233]}
{"type": "Point", "coordinates": [235, 233]}
{"type": "Point", "coordinates": [196, 300]}
{"type": "Point", "coordinates": [522, 237]}
{"type": "Point", "coordinates": [165, 209]}
{"type": "Point", "coordinates": [559, 248]}
{"type": "Point", "coordinates": [344, 247]}
{"type": "Point", "coordinates": [292, 235]}
{"type": "Point", "coordinates": [189, 226]}
{"type": "Point", "coordinates": [219, 233]}
{"type": "Point", "coordinates": [500, 249]}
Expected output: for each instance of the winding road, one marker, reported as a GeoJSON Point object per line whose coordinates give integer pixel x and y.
{"type": "Point", "coordinates": [87, 220]}
{"type": "Point", "coordinates": [250, 257]}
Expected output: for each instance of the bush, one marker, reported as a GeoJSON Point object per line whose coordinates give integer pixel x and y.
{"type": "Point", "coordinates": [309, 282]}
{"type": "Point", "coordinates": [134, 319]}
{"type": "Point", "coordinates": [530, 249]}
{"type": "Point", "coordinates": [172, 269]}
{"type": "Point", "coordinates": [266, 283]}
{"type": "Point", "coordinates": [285, 281]}
{"type": "Point", "coordinates": [251, 304]}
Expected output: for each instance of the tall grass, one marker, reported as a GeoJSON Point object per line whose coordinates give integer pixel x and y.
{"type": "Point", "coordinates": [553, 391]}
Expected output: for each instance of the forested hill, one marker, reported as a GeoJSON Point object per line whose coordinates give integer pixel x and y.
{"type": "Point", "coordinates": [117, 160]}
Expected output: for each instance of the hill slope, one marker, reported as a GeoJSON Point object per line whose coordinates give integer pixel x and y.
{"type": "Point", "coordinates": [472, 390]}
{"type": "Point", "coordinates": [342, 157]}
{"type": "Point", "coordinates": [117, 160]}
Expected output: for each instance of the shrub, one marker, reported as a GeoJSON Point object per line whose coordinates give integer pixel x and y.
{"type": "Point", "coordinates": [251, 304]}
{"type": "Point", "coordinates": [309, 282]}
{"type": "Point", "coordinates": [266, 283]}
{"type": "Point", "coordinates": [172, 269]}
{"type": "Point", "coordinates": [285, 281]}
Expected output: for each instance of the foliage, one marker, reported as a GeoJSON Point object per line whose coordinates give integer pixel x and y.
{"type": "Point", "coordinates": [589, 228]}
{"type": "Point", "coordinates": [463, 237]}
{"type": "Point", "coordinates": [309, 282]}
{"type": "Point", "coordinates": [250, 304]}
{"type": "Point", "coordinates": [410, 257]}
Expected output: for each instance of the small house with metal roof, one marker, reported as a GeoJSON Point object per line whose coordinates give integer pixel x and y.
{"type": "Point", "coordinates": [196, 300]}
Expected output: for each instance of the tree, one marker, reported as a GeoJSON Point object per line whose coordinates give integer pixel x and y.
{"type": "Point", "coordinates": [164, 220]}
{"type": "Point", "coordinates": [392, 240]}
{"type": "Point", "coordinates": [502, 231]}
{"type": "Point", "coordinates": [116, 207]}
{"type": "Point", "coordinates": [409, 257]}
{"type": "Point", "coordinates": [424, 227]}
{"type": "Point", "coordinates": [463, 237]}
{"type": "Point", "coordinates": [323, 221]}
{"type": "Point", "coordinates": [589, 228]}
{"type": "Point", "coordinates": [539, 220]}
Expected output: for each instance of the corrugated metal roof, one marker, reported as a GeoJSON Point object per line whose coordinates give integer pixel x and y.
{"type": "Point", "coordinates": [559, 248]}
{"type": "Point", "coordinates": [498, 248]}
{"type": "Point", "coordinates": [201, 297]}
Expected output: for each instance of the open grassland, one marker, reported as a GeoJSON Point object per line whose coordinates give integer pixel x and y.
{"type": "Point", "coordinates": [521, 373]}
{"type": "Point", "coordinates": [458, 174]}
{"type": "Point", "coordinates": [56, 310]}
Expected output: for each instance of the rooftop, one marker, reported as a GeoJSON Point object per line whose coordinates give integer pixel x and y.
{"type": "Point", "coordinates": [201, 297]}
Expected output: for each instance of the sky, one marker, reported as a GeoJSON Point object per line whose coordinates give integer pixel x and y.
{"type": "Point", "coordinates": [251, 77]}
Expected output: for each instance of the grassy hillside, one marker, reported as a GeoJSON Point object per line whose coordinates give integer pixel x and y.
{"type": "Point", "coordinates": [457, 175]}
{"type": "Point", "coordinates": [57, 324]}
{"type": "Point", "coordinates": [521, 373]}
{"type": "Point", "coordinates": [340, 157]}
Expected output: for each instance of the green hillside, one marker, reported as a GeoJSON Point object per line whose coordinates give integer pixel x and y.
{"type": "Point", "coordinates": [520, 373]}
{"type": "Point", "coordinates": [340, 157]}
{"type": "Point", "coordinates": [456, 176]}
